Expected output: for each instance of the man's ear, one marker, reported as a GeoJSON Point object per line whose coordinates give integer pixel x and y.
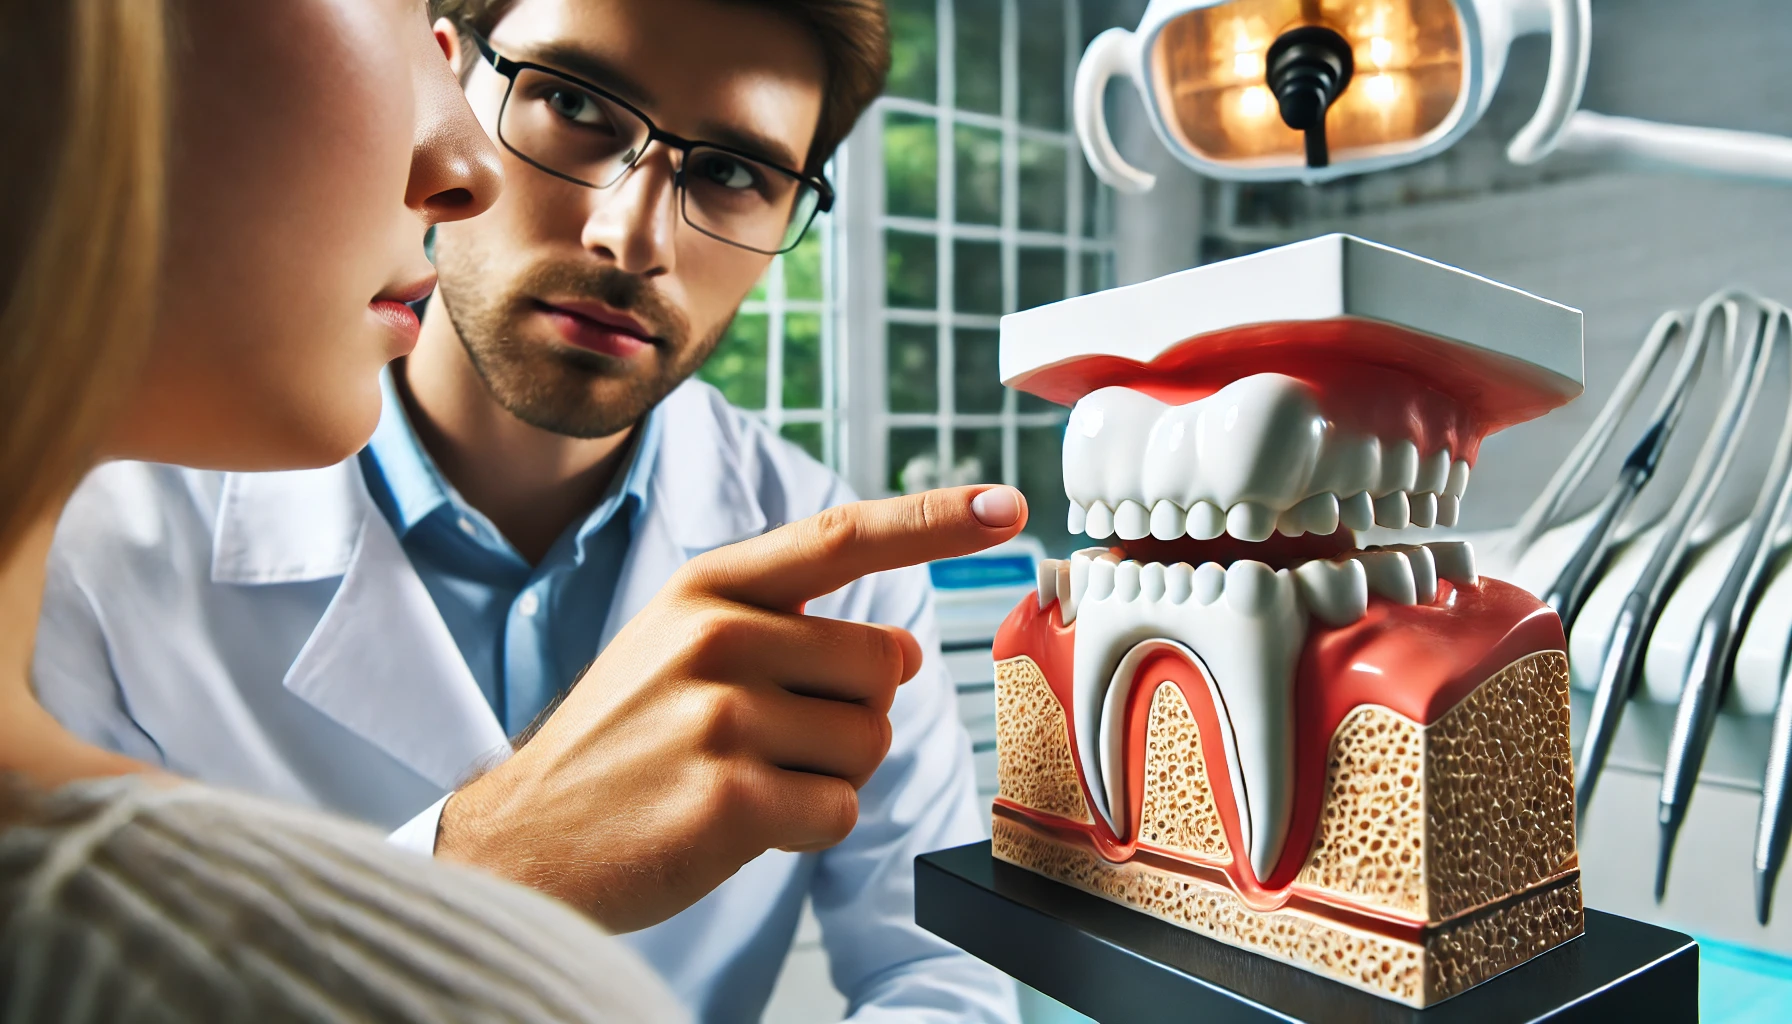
{"type": "Point", "coordinates": [448, 38]}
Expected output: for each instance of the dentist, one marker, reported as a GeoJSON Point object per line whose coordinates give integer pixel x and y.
{"type": "Point", "coordinates": [546, 622]}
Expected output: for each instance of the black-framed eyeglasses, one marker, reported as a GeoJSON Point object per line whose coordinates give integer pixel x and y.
{"type": "Point", "coordinates": [589, 136]}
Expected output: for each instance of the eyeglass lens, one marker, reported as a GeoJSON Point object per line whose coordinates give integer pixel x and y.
{"type": "Point", "coordinates": [593, 140]}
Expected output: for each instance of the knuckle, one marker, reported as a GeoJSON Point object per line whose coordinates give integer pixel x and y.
{"type": "Point", "coordinates": [833, 531]}
{"type": "Point", "coordinates": [718, 720]}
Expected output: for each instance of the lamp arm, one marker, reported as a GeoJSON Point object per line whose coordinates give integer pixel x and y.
{"type": "Point", "coordinates": [1570, 47]}
{"type": "Point", "coordinates": [1107, 56]}
{"type": "Point", "coordinates": [1716, 151]}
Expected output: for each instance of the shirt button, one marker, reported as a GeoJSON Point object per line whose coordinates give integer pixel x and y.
{"type": "Point", "coordinates": [467, 527]}
{"type": "Point", "coordinates": [528, 604]}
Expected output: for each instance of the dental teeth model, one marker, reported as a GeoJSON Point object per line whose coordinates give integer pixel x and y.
{"type": "Point", "coordinates": [1227, 715]}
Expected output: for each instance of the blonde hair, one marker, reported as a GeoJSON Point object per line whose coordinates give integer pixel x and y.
{"type": "Point", "coordinates": [81, 213]}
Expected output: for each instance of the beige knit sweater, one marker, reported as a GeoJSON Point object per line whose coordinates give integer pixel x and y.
{"type": "Point", "coordinates": [123, 900]}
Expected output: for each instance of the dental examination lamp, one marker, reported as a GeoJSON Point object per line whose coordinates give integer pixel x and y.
{"type": "Point", "coordinates": [1312, 90]}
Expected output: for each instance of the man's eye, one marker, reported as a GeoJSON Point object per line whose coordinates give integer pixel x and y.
{"type": "Point", "coordinates": [574, 106]}
{"type": "Point", "coordinates": [726, 172]}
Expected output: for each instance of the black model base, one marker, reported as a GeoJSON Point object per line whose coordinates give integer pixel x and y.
{"type": "Point", "coordinates": [1120, 966]}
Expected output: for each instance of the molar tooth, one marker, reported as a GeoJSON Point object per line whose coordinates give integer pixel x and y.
{"type": "Point", "coordinates": [1399, 466]}
{"type": "Point", "coordinates": [1179, 582]}
{"type": "Point", "coordinates": [1126, 580]}
{"type": "Point", "coordinates": [1389, 574]}
{"type": "Point", "coordinates": [1424, 572]}
{"type": "Point", "coordinates": [1250, 586]}
{"type": "Point", "coordinates": [1458, 482]}
{"type": "Point", "coordinates": [1168, 521]}
{"type": "Point", "coordinates": [1455, 560]}
{"type": "Point", "coordinates": [1449, 509]}
{"type": "Point", "coordinates": [1100, 521]}
{"type": "Point", "coordinates": [1208, 583]}
{"type": "Point", "coordinates": [1424, 510]}
{"type": "Point", "coordinates": [1434, 472]}
{"type": "Point", "coordinates": [1048, 582]}
{"type": "Point", "coordinates": [1357, 512]}
{"type": "Point", "coordinates": [1131, 521]}
{"type": "Point", "coordinates": [1101, 578]}
{"type": "Point", "coordinates": [1152, 581]}
{"type": "Point", "coordinates": [1205, 520]}
{"type": "Point", "coordinates": [1078, 518]}
{"type": "Point", "coordinates": [1337, 593]}
{"type": "Point", "coordinates": [1392, 510]}
{"type": "Point", "coordinates": [1066, 592]}
{"type": "Point", "coordinates": [1249, 521]}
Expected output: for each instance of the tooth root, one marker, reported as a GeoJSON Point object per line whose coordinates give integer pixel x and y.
{"type": "Point", "coordinates": [1249, 521]}
{"type": "Point", "coordinates": [1434, 472]}
{"type": "Point", "coordinates": [1455, 561]}
{"type": "Point", "coordinates": [1449, 509]}
{"type": "Point", "coordinates": [1048, 582]}
{"type": "Point", "coordinates": [1424, 510]}
{"type": "Point", "coordinates": [1424, 573]}
{"type": "Point", "coordinates": [1209, 582]}
{"type": "Point", "coordinates": [1168, 521]}
{"type": "Point", "coordinates": [1066, 592]}
{"type": "Point", "coordinates": [1389, 574]}
{"type": "Point", "coordinates": [1205, 521]}
{"type": "Point", "coordinates": [1357, 512]}
{"type": "Point", "coordinates": [1151, 581]}
{"type": "Point", "coordinates": [1131, 521]}
{"type": "Point", "coordinates": [1100, 524]}
{"type": "Point", "coordinates": [1399, 466]}
{"type": "Point", "coordinates": [1393, 511]}
{"type": "Point", "coordinates": [1179, 582]}
{"type": "Point", "coordinates": [1458, 482]}
{"type": "Point", "coordinates": [1078, 519]}
{"type": "Point", "coordinates": [1337, 593]}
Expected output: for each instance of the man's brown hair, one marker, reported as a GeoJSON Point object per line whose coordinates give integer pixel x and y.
{"type": "Point", "coordinates": [854, 36]}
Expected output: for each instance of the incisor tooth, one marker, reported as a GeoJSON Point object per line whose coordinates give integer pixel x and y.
{"type": "Point", "coordinates": [1048, 582]}
{"type": "Point", "coordinates": [1066, 593]}
{"type": "Point", "coordinates": [1168, 521]}
{"type": "Point", "coordinates": [1424, 510]}
{"type": "Point", "coordinates": [1100, 524]}
{"type": "Point", "coordinates": [1392, 511]}
{"type": "Point", "coordinates": [1455, 560]}
{"type": "Point", "coordinates": [1458, 482]}
{"type": "Point", "coordinates": [1131, 521]}
{"type": "Point", "coordinates": [1205, 520]}
{"type": "Point", "coordinates": [1337, 593]}
{"type": "Point", "coordinates": [1434, 472]}
{"type": "Point", "coordinates": [1101, 578]}
{"type": "Point", "coordinates": [1424, 573]}
{"type": "Point", "coordinates": [1209, 582]}
{"type": "Point", "coordinates": [1179, 581]}
{"type": "Point", "coordinates": [1449, 509]}
{"type": "Point", "coordinates": [1318, 514]}
{"type": "Point", "coordinates": [1250, 521]}
{"type": "Point", "coordinates": [1078, 518]}
{"type": "Point", "coordinates": [1399, 466]}
{"type": "Point", "coordinates": [1126, 580]}
{"type": "Point", "coordinates": [1357, 512]}
{"type": "Point", "coordinates": [1250, 586]}
{"type": "Point", "coordinates": [1151, 581]}
{"type": "Point", "coordinates": [1389, 574]}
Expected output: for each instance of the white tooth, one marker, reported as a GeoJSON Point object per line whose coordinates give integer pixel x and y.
{"type": "Point", "coordinates": [1131, 521]}
{"type": "Point", "coordinates": [1209, 582]}
{"type": "Point", "coordinates": [1102, 424]}
{"type": "Point", "coordinates": [1424, 510]}
{"type": "Point", "coordinates": [1126, 580]}
{"type": "Point", "coordinates": [1357, 512]}
{"type": "Point", "coordinates": [1100, 523]}
{"type": "Point", "coordinates": [1168, 521]}
{"type": "Point", "coordinates": [1318, 514]}
{"type": "Point", "coordinates": [1078, 519]}
{"type": "Point", "coordinates": [1048, 582]}
{"type": "Point", "coordinates": [1389, 574]}
{"type": "Point", "coordinates": [1289, 524]}
{"type": "Point", "coordinates": [1151, 581]}
{"type": "Point", "coordinates": [1101, 579]}
{"type": "Point", "coordinates": [1079, 579]}
{"type": "Point", "coordinates": [1205, 521]}
{"type": "Point", "coordinates": [1458, 483]}
{"type": "Point", "coordinates": [1066, 593]}
{"type": "Point", "coordinates": [1350, 464]}
{"type": "Point", "coordinates": [1337, 593]}
{"type": "Point", "coordinates": [1424, 573]}
{"type": "Point", "coordinates": [1250, 521]}
{"type": "Point", "coordinates": [1179, 582]}
{"type": "Point", "coordinates": [1434, 472]}
{"type": "Point", "coordinates": [1455, 560]}
{"type": "Point", "coordinates": [1449, 509]}
{"type": "Point", "coordinates": [1251, 587]}
{"type": "Point", "coordinates": [1259, 439]}
{"type": "Point", "coordinates": [1399, 466]}
{"type": "Point", "coordinates": [1392, 511]}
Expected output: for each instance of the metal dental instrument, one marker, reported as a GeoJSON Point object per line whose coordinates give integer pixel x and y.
{"type": "Point", "coordinates": [1774, 827]}
{"type": "Point", "coordinates": [1636, 618]}
{"type": "Point", "coordinates": [1708, 669]}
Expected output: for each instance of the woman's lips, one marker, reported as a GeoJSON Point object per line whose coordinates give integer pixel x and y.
{"type": "Point", "coordinates": [597, 330]}
{"type": "Point", "coordinates": [400, 319]}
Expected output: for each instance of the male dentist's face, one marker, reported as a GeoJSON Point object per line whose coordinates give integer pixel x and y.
{"type": "Point", "coordinates": [581, 308]}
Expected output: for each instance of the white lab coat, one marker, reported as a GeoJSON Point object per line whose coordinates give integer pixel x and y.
{"type": "Point", "coordinates": [266, 631]}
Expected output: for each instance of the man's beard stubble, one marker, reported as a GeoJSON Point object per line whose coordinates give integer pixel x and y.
{"type": "Point", "coordinates": [555, 388]}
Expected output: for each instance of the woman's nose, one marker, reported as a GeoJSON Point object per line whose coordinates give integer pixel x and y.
{"type": "Point", "coordinates": [455, 173]}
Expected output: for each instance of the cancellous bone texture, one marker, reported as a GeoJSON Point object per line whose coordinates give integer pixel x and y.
{"type": "Point", "coordinates": [1466, 825]}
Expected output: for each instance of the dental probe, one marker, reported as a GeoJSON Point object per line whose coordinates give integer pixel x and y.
{"type": "Point", "coordinates": [1713, 658]}
{"type": "Point", "coordinates": [1636, 617]}
{"type": "Point", "coordinates": [1774, 826]}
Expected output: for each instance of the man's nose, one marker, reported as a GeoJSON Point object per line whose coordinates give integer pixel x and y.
{"type": "Point", "coordinates": [634, 222]}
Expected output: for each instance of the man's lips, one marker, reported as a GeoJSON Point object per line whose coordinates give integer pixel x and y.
{"type": "Point", "coordinates": [597, 328]}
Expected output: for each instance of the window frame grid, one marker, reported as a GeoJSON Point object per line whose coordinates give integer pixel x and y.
{"type": "Point", "coordinates": [775, 307]}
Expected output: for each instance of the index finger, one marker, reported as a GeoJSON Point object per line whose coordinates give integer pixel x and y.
{"type": "Point", "coordinates": [804, 560]}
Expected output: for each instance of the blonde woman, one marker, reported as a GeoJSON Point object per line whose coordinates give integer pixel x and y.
{"type": "Point", "coordinates": [210, 218]}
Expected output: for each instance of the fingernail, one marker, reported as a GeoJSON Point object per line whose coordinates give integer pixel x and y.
{"type": "Point", "coordinates": [997, 507]}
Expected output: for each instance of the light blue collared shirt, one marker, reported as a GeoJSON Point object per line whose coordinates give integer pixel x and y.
{"type": "Point", "coordinates": [526, 631]}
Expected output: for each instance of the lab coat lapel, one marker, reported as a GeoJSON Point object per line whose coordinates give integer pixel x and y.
{"type": "Point", "coordinates": [380, 662]}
